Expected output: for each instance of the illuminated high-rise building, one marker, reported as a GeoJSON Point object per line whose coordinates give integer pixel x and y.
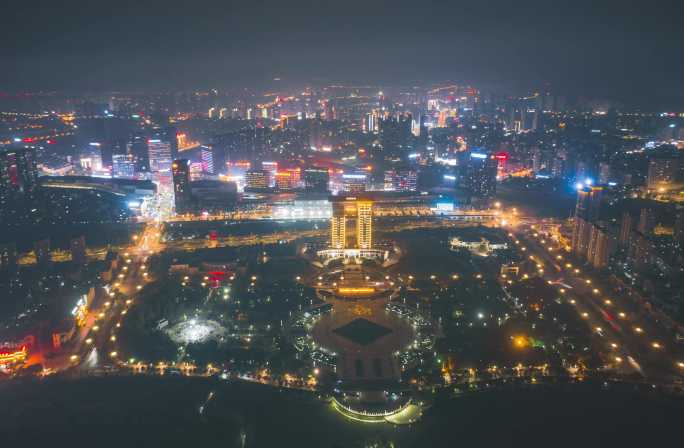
{"type": "Point", "coordinates": [601, 245]}
{"type": "Point", "coordinates": [138, 147]}
{"type": "Point", "coordinates": [159, 155]}
{"type": "Point", "coordinates": [604, 173]}
{"type": "Point", "coordinates": [346, 236]}
{"type": "Point", "coordinates": [207, 158]}
{"type": "Point", "coordinates": [647, 221]}
{"type": "Point", "coordinates": [371, 123]}
{"type": "Point", "coordinates": [588, 204]}
{"type": "Point", "coordinates": [271, 168]}
{"type": "Point", "coordinates": [587, 213]}
{"type": "Point", "coordinates": [354, 183]}
{"type": "Point", "coordinates": [296, 176]}
{"type": "Point", "coordinates": [256, 179]}
{"type": "Point", "coordinates": [284, 180]}
{"type": "Point", "coordinates": [18, 171]}
{"type": "Point", "coordinates": [626, 225]}
{"type": "Point", "coordinates": [181, 185]}
{"type": "Point", "coordinates": [364, 224]}
{"type": "Point", "coordinates": [480, 178]}
{"type": "Point", "coordinates": [400, 180]}
{"type": "Point", "coordinates": [338, 226]}
{"type": "Point", "coordinates": [316, 179]}
{"type": "Point", "coordinates": [123, 166]}
{"type": "Point", "coordinates": [662, 172]}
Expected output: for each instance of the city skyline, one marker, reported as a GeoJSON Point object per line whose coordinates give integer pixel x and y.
{"type": "Point", "coordinates": [609, 49]}
{"type": "Point", "coordinates": [341, 224]}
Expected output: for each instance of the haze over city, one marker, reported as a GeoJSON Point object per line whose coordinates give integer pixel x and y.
{"type": "Point", "coordinates": [341, 224]}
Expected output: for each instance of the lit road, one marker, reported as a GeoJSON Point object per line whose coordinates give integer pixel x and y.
{"type": "Point", "coordinates": [112, 303]}
{"type": "Point", "coordinates": [631, 340]}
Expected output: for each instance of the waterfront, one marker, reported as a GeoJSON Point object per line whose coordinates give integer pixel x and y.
{"type": "Point", "coordinates": [142, 411]}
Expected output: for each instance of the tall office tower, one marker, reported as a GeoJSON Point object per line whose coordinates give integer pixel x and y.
{"type": "Point", "coordinates": [338, 226]}
{"type": "Point", "coordinates": [316, 179]}
{"type": "Point", "coordinates": [180, 170]}
{"type": "Point", "coordinates": [159, 155]}
{"type": "Point", "coordinates": [371, 123]}
{"type": "Point", "coordinates": [256, 179]}
{"type": "Point", "coordinates": [138, 148]}
{"type": "Point", "coordinates": [524, 114]}
{"type": "Point", "coordinates": [18, 172]}
{"type": "Point", "coordinates": [662, 172]}
{"type": "Point", "coordinates": [480, 178]}
{"type": "Point", "coordinates": [354, 183]}
{"type": "Point", "coordinates": [42, 251]}
{"type": "Point", "coordinates": [115, 147]}
{"type": "Point", "coordinates": [364, 224]}
{"type": "Point", "coordinates": [169, 134]}
{"type": "Point", "coordinates": [78, 250]}
{"type": "Point", "coordinates": [646, 221]}
{"type": "Point", "coordinates": [626, 225]}
{"type": "Point", "coordinates": [207, 158]}
{"type": "Point", "coordinates": [123, 166]}
{"type": "Point", "coordinates": [400, 180]}
{"type": "Point", "coordinates": [395, 133]}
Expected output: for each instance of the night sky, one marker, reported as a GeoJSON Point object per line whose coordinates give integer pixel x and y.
{"type": "Point", "coordinates": [630, 51]}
